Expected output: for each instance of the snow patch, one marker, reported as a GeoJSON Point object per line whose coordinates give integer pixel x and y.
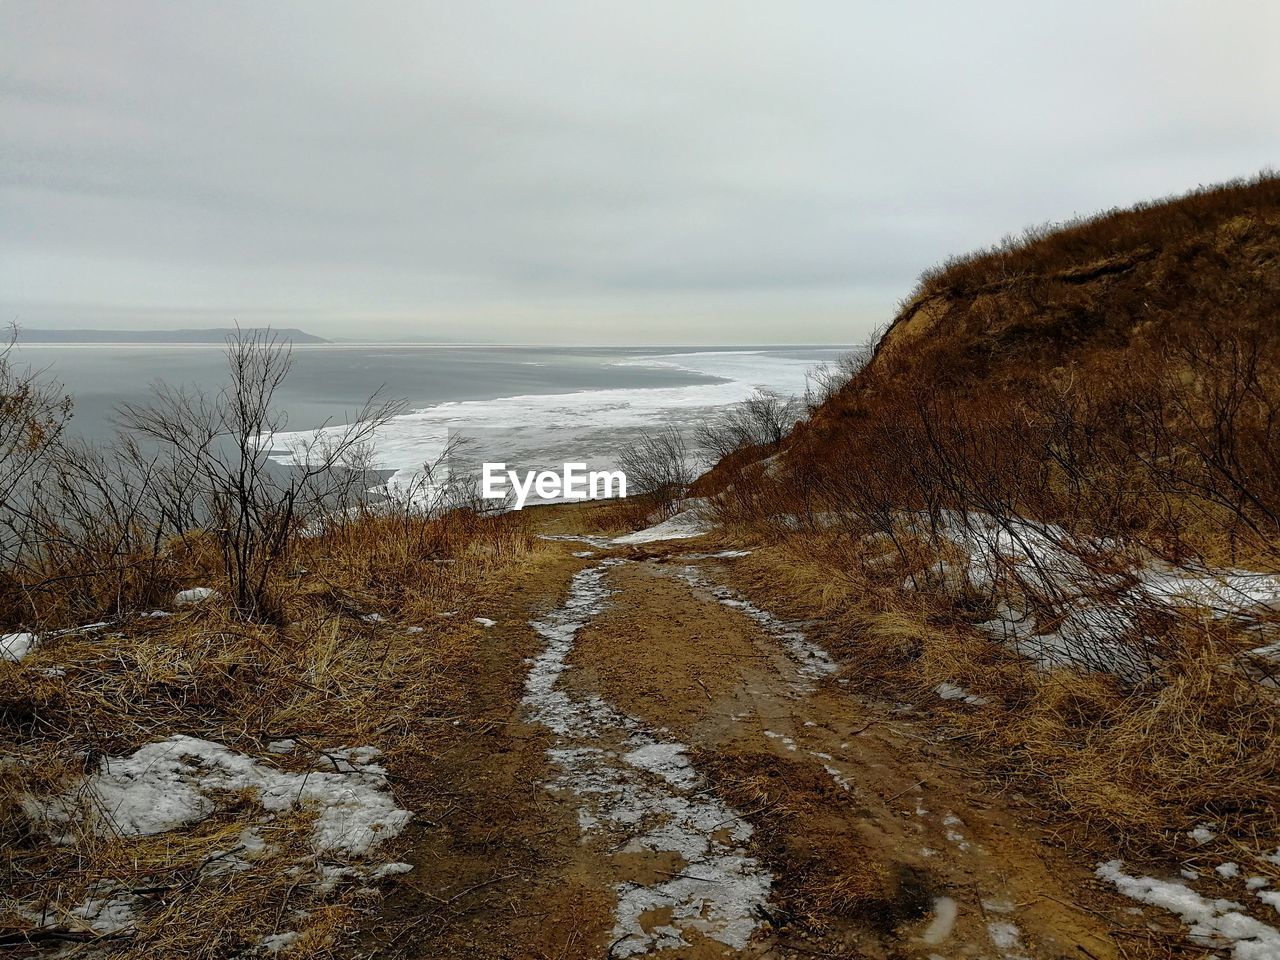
{"type": "Point", "coordinates": [279, 941]}
{"type": "Point", "coordinates": [640, 793]}
{"type": "Point", "coordinates": [175, 782]}
{"type": "Point", "coordinates": [1201, 834]}
{"type": "Point", "coordinates": [782, 738]}
{"type": "Point", "coordinates": [600, 543]}
{"type": "Point", "coordinates": [108, 914]}
{"type": "Point", "coordinates": [1007, 938]}
{"type": "Point", "coordinates": [1213, 923]}
{"type": "Point", "coordinates": [15, 646]}
{"type": "Point", "coordinates": [1097, 619]}
{"type": "Point", "coordinates": [189, 598]}
{"type": "Point", "coordinates": [952, 823]}
{"type": "Point", "coordinates": [951, 691]}
{"type": "Point", "coordinates": [811, 660]}
{"type": "Point", "coordinates": [691, 521]}
{"type": "Point", "coordinates": [945, 911]}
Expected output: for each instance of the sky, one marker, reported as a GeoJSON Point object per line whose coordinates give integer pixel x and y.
{"type": "Point", "coordinates": [586, 171]}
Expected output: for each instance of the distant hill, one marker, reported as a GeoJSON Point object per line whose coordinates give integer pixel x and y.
{"type": "Point", "coordinates": [1208, 261]}
{"type": "Point", "coordinates": [1116, 375]}
{"type": "Point", "coordinates": [208, 335]}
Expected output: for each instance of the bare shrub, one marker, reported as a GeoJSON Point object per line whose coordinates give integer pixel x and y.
{"type": "Point", "coordinates": [827, 379]}
{"type": "Point", "coordinates": [762, 420]}
{"type": "Point", "coordinates": [659, 466]}
{"type": "Point", "coordinates": [33, 417]}
{"type": "Point", "coordinates": [212, 455]}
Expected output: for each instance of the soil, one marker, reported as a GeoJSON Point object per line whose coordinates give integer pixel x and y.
{"type": "Point", "coordinates": [851, 827]}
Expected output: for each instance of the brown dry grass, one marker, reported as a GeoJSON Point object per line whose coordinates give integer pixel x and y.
{"type": "Point", "coordinates": [629, 513]}
{"type": "Point", "coordinates": [1118, 378]}
{"type": "Point", "coordinates": [331, 676]}
{"type": "Point", "coordinates": [1133, 767]}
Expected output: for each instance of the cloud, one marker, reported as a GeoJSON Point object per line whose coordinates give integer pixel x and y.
{"type": "Point", "coordinates": [709, 171]}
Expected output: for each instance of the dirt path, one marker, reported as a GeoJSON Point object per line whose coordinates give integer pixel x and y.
{"type": "Point", "coordinates": [660, 767]}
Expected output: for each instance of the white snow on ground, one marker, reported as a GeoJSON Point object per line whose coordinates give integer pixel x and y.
{"type": "Point", "coordinates": [179, 781]}
{"type": "Point", "coordinates": [781, 738]}
{"type": "Point", "coordinates": [945, 911]}
{"type": "Point", "coordinates": [279, 941]}
{"type": "Point", "coordinates": [187, 598]}
{"type": "Point", "coordinates": [1097, 618]}
{"type": "Point", "coordinates": [640, 792]}
{"type": "Point", "coordinates": [1007, 938]}
{"type": "Point", "coordinates": [692, 521]}
{"type": "Point", "coordinates": [810, 659]}
{"type": "Point", "coordinates": [952, 823]}
{"type": "Point", "coordinates": [1201, 834]}
{"type": "Point", "coordinates": [951, 691]}
{"type": "Point", "coordinates": [15, 646]}
{"type": "Point", "coordinates": [106, 914]}
{"type": "Point", "coordinates": [600, 543]}
{"type": "Point", "coordinates": [484, 622]}
{"type": "Point", "coordinates": [174, 782]}
{"type": "Point", "coordinates": [1213, 923]}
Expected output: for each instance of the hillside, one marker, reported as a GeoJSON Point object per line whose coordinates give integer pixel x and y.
{"type": "Point", "coordinates": [1136, 351]}
{"type": "Point", "coordinates": [981, 660]}
{"type": "Point", "coordinates": [1205, 262]}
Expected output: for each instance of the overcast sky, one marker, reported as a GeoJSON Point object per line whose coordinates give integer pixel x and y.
{"type": "Point", "coordinates": [588, 171]}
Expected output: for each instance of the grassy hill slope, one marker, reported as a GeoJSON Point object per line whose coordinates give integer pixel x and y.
{"type": "Point", "coordinates": [1056, 487]}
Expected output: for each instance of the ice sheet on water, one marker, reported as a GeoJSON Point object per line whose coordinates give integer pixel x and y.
{"type": "Point", "coordinates": [546, 430]}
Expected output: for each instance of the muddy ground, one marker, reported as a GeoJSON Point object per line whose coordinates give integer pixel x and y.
{"type": "Point", "coordinates": [655, 765]}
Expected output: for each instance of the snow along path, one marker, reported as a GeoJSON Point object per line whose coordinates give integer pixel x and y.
{"type": "Point", "coordinates": [639, 790]}
{"type": "Point", "coordinates": [812, 661]}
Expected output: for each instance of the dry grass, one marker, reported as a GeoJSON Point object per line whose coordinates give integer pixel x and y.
{"type": "Point", "coordinates": [629, 513]}
{"type": "Point", "coordinates": [1133, 767]}
{"type": "Point", "coordinates": [332, 676]}
{"type": "Point", "coordinates": [1148, 766]}
{"type": "Point", "coordinates": [1119, 380]}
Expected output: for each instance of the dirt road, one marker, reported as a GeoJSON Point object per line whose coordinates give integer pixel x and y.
{"type": "Point", "coordinates": [658, 766]}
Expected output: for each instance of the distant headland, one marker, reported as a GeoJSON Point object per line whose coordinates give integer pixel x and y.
{"type": "Point", "coordinates": [206, 335]}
